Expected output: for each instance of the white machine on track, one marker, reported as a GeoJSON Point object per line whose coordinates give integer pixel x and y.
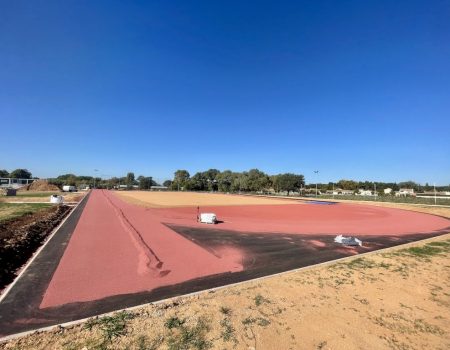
{"type": "Point", "coordinates": [208, 218]}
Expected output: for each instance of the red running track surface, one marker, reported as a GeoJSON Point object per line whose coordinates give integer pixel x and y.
{"type": "Point", "coordinates": [120, 248]}
{"type": "Point", "coordinates": [339, 218]}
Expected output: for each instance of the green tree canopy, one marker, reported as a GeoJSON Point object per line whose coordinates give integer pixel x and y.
{"type": "Point", "coordinates": [167, 183]}
{"type": "Point", "coordinates": [130, 180]}
{"type": "Point", "coordinates": [180, 179]}
{"type": "Point", "coordinates": [258, 180]}
{"type": "Point", "coordinates": [289, 182]}
{"type": "Point", "coordinates": [20, 174]}
{"type": "Point", "coordinates": [347, 185]}
{"type": "Point", "coordinates": [4, 173]}
{"type": "Point", "coordinates": [145, 182]}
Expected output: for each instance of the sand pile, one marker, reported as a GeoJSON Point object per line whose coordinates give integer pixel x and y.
{"type": "Point", "coordinates": [40, 185]}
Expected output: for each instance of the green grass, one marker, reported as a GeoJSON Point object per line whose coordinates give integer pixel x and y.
{"type": "Point", "coordinates": [443, 244]}
{"type": "Point", "coordinates": [263, 322]}
{"type": "Point", "coordinates": [174, 322]}
{"type": "Point", "coordinates": [259, 299]}
{"type": "Point", "coordinates": [14, 210]}
{"type": "Point", "coordinates": [190, 337]}
{"type": "Point", "coordinates": [111, 326]}
{"type": "Point", "coordinates": [36, 194]}
{"type": "Point", "coordinates": [424, 251]}
{"type": "Point", "coordinates": [144, 344]}
{"type": "Point", "coordinates": [365, 263]}
{"type": "Point", "coordinates": [227, 330]}
{"type": "Point", "coordinates": [225, 310]}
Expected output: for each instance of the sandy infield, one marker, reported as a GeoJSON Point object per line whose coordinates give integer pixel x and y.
{"type": "Point", "coordinates": [191, 199]}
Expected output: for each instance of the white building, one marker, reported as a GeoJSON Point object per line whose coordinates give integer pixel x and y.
{"type": "Point", "coordinates": [365, 192]}
{"type": "Point", "coordinates": [404, 192]}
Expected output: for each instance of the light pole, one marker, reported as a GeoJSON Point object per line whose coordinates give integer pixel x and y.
{"type": "Point", "coordinates": [94, 176]}
{"type": "Point", "coordinates": [105, 176]}
{"type": "Point", "coordinates": [317, 173]}
{"type": "Point", "coordinates": [434, 185]}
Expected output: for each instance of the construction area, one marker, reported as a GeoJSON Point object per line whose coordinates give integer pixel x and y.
{"type": "Point", "coordinates": [122, 249]}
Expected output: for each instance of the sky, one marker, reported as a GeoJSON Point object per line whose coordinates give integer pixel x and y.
{"type": "Point", "coordinates": [355, 89]}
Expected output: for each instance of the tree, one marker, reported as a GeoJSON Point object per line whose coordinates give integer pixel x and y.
{"type": "Point", "coordinates": [167, 183]}
{"type": "Point", "coordinates": [240, 182]}
{"type": "Point", "coordinates": [4, 173]}
{"type": "Point", "coordinates": [130, 180]}
{"type": "Point", "coordinates": [198, 182]}
{"type": "Point", "coordinates": [20, 174]}
{"type": "Point", "coordinates": [145, 183]}
{"type": "Point", "coordinates": [114, 181]}
{"type": "Point", "coordinates": [257, 180]}
{"type": "Point", "coordinates": [408, 184]}
{"type": "Point", "coordinates": [180, 179]}
{"type": "Point", "coordinates": [347, 184]}
{"type": "Point", "coordinates": [289, 182]}
{"type": "Point", "coordinates": [224, 181]}
{"type": "Point", "coordinates": [211, 179]}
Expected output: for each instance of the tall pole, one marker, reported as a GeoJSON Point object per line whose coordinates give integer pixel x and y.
{"type": "Point", "coordinates": [94, 176]}
{"type": "Point", "coordinates": [316, 172]}
{"type": "Point", "coordinates": [375, 192]}
{"type": "Point", "coordinates": [333, 190]}
{"type": "Point", "coordinates": [434, 185]}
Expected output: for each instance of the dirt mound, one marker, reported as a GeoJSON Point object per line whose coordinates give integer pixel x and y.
{"type": "Point", "coordinates": [40, 185]}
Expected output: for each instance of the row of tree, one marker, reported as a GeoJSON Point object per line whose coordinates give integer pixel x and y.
{"type": "Point", "coordinates": [253, 180]}
{"type": "Point", "coordinates": [129, 181]}
{"type": "Point", "coordinates": [16, 174]}
{"type": "Point", "coordinates": [379, 186]}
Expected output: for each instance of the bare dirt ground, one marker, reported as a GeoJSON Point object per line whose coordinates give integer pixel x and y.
{"type": "Point", "coordinates": [181, 199]}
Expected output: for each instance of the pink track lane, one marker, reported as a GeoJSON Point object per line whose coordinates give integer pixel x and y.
{"type": "Point", "coordinates": [313, 218]}
{"type": "Point", "coordinates": [105, 255]}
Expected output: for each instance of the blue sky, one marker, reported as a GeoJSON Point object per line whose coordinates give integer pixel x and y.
{"type": "Point", "coordinates": [355, 89]}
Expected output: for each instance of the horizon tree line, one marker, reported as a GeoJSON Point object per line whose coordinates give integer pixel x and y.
{"type": "Point", "coordinates": [253, 180]}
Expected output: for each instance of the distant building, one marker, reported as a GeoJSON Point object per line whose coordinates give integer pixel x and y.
{"type": "Point", "coordinates": [159, 188]}
{"type": "Point", "coordinates": [14, 183]}
{"type": "Point", "coordinates": [363, 192]}
{"type": "Point", "coordinates": [340, 192]}
{"type": "Point", "coordinates": [332, 192]}
{"type": "Point", "coordinates": [388, 191]}
{"type": "Point", "coordinates": [404, 192]}
{"type": "Point", "coordinates": [346, 192]}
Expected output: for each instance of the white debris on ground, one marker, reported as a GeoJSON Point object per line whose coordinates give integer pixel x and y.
{"type": "Point", "coordinates": [347, 240]}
